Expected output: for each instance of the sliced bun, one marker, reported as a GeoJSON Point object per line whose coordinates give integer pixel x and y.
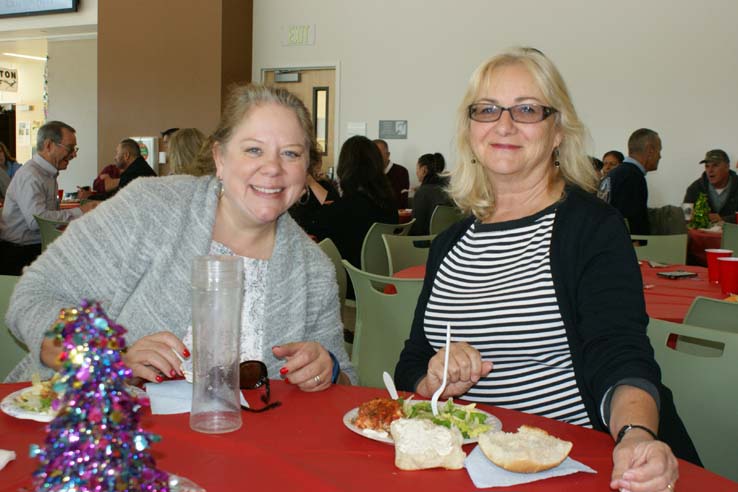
{"type": "Point", "coordinates": [421, 444]}
{"type": "Point", "coordinates": [528, 450]}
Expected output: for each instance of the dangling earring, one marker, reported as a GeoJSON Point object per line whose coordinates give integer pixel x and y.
{"type": "Point", "coordinates": [305, 195]}
{"type": "Point", "coordinates": [219, 189]}
{"type": "Point", "coordinates": [556, 157]}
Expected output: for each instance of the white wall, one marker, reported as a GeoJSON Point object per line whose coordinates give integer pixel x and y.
{"type": "Point", "coordinates": [73, 100]}
{"type": "Point", "coordinates": [670, 65]}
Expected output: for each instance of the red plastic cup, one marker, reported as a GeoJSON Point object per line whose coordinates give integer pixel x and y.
{"type": "Point", "coordinates": [729, 274]}
{"type": "Point", "coordinates": [60, 195]}
{"type": "Point", "coordinates": [713, 269]}
{"type": "Point", "coordinates": [736, 217]}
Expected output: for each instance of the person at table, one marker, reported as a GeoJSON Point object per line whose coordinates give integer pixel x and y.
{"type": "Point", "coordinates": [719, 183]}
{"type": "Point", "coordinates": [183, 148]}
{"type": "Point", "coordinates": [34, 191]}
{"type": "Point", "coordinates": [398, 176]}
{"type": "Point", "coordinates": [135, 254]}
{"type": "Point", "coordinates": [8, 167]}
{"type": "Point", "coordinates": [541, 286]}
{"type": "Point", "coordinates": [366, 198]}
{"type": "Point", "coordinates": [625, 186]}
{"type": "Point", "coordinates": [131, 164]}
{"type": "Point", "coordinates": [430, 193]}
{"type": "Point", "coordinates": [318, 190]}
{"type": "Point", "coordinates": [610, 160]}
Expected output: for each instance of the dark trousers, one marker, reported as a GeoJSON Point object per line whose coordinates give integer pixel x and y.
{"type": "Point", "coordinates": [13, 257]}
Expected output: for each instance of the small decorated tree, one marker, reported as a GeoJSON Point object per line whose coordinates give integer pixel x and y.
{"type": "Point", "coordinates": [701, 213]}
{"type": "Point", "coordinates": [95, 443]}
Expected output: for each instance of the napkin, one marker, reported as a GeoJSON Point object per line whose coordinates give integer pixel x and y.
{"type": "Point", "coordinates": [6, 457]}
{"type": "Point", "coordinates": [169, 397]}
{"type": "Point", "coordinates": [485, 474]}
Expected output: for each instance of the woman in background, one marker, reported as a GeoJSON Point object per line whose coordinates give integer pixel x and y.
{"type": "Point", "coordinates": [183, 148]}
{"type": "Point", "coordinates": [430, 193]}
{"type": "Point", "coordinates": [611, 160]}
{"type": "Point", "coordinates": [8, 167]}
{"type": "Point", "coordinates": [318, 190]}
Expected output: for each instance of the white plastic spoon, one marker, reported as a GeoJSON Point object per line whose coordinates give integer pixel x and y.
{"type": "Point", "coordinates": [389, 383]}
{"type": "Point", "coordinates": [439, 391]}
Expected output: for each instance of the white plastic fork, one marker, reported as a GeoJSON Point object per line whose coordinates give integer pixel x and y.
{"type": "Point", "coordinates": [439, 391]}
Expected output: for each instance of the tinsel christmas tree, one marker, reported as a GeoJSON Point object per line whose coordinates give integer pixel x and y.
{"type": "Point", "coordinates": [701, 213]}
{"type": "Point", "coordinates": [95, 442]}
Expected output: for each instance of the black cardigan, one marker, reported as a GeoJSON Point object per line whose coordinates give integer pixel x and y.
{"type": "Point", "coordinates": [600, 295]}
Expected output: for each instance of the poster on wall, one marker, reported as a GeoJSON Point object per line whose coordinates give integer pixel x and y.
{"type": "Point", "coordinates": [24, 133]}
{"type": "Point", "coordinates": [8, 79]}
{"type": "Point", "coordinates": [16, 8]}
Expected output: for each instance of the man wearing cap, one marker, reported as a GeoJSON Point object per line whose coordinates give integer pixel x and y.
{"type": "Point", "coordinates": [719, 183]}
{"type": "Point", "coordinates": [625, 186]}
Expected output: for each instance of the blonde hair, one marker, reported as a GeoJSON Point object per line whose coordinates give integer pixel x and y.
{"type": "Point", "coordinates": [183, 147]}
{"type": "Point", "coordinates": [242, 99]}
{"type": "Point", "coordinates": [470, 187]}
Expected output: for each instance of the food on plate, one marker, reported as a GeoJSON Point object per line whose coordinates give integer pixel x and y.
{"type": "Point", "coordinates": [378, 414]}
{"type": "Point", "coordinates": [421, 444]}
{"type": "Point", "coordinates": [471, 423]}
{"type": "Point", "coordinates": [528, 450]}
{"type": "Point", "coordinates": [38, 398]}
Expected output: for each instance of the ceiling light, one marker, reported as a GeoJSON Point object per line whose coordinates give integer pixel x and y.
{"type": "Point", "coordinates": [30, 57]}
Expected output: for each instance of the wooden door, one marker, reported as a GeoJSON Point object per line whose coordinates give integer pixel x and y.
{"type": "Point", "coordinates": [311, 82]}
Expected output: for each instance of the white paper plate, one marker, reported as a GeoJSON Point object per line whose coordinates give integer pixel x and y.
{"type": "Point", "coordinates": [10, 405]}
{"type": "Point", "coordinates": [381, 436]}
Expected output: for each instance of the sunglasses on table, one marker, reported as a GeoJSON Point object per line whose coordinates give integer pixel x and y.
{"type": "Point", "coordinates": [253, 375]}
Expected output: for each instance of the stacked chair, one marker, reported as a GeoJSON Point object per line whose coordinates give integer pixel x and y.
{"type": "Point", "coordinates": [11, 350]}
{"type": "Point", "coordinates": [382, 322]}
{"type": "Point", "coordinates": [704, 390]}
{"type": "Point", "coordinates": [406, 251]}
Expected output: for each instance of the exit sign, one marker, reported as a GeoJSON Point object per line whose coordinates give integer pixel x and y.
{"type": "Point", "coordinates": [298, 35]}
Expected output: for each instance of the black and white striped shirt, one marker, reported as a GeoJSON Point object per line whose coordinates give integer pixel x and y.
{"type": "Point", "coordinates": [495, 289]}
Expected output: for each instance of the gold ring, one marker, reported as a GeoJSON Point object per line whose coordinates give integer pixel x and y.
{"type": "Point", "coordinates": [317, 380]}
{"type": "Point", "coordinates": [670, 486]}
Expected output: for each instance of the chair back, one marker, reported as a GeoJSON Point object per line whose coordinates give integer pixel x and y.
{"type": "Point", "coordinates": [708, 313]}
{"type": "Point", "coordinates": [373, 255]}
{"type": "Point", "coordinates": [730, 237]}
{"type": "Point", "coordinates": [330, 249]}
{"type": "Point", "coordinates": [382, 322]}
{"type": "Point", "coordinates": [406, 251]}
{"type": "Point", "coordinates": [11, 350]}
{"type": "Point", "coordinates": [704, 391]}
{"type": "Point", "coordinates": [443, 217]}
{"type": "Point", "coordinates": [50, 230]}
{"type": "Point", "coordinates": [670, 249]}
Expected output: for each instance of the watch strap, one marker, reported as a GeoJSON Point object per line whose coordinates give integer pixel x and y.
{"type": "Point", "coordinates": [628, 427]}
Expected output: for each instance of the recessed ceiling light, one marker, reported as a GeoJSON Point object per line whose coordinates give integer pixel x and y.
{"type": "Point", "coordinates": [29, 57]}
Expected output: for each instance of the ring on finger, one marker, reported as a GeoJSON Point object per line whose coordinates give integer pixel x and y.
{"type": "Point", "coordinates": [670, 486]}
{"type": "Point", "coordinates": [317, 380]}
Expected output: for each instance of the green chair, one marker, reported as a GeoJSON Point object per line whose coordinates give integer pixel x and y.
{"type": "Point", "coordinates": [704, 391]}
{"type": "Point", "coordinates": [443, 217]}
{"type": "Point", "coordinates": [406, 251]}
{"type": "Point", "coordinates": [50, 230]}
{"type": "Point", "coordinates": [11, 350]}
{"type": "Point", "coordinates": [373, 254]}
{"type": "Point", "coordinates": [382, 322]}
{"type": "Point", "coordinates": [730, 237]}
{"type": "Point", "coordinates": [708, 313]}
{"type": "Point", "coordinates": [670, 249]}
{"type": "Point", "coordinates": [330, 249]}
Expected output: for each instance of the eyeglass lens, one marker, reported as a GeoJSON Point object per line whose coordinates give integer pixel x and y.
{"type": "Point", "coordinates": [521, 113]}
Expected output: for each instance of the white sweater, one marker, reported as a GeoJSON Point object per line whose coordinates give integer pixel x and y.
{"type": "Point", "coordinates": [134, 255]}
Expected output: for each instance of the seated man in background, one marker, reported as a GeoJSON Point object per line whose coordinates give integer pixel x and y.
{"type": "Point", "coordinates": [33, 191]}
{"type": "Point", "coordinates": [719, 184]}
{"type": "Point", "coordinates": [131, 164]}
{"type": "Point", "coordinates": [398, 176]}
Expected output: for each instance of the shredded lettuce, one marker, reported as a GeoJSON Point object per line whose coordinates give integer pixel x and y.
{"type": "Point", "coordinates": [471, 423]}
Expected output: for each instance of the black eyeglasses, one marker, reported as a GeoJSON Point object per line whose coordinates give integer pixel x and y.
{"type": "Point", "coordinates": [253, 375]}
{"type": "Point", "coordinates": [520, 113]}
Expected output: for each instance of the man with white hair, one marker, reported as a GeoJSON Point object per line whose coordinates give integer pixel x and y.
{"type": "Point", "coordinates": [719, 184]}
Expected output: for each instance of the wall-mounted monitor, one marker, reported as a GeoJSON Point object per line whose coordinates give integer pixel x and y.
{"type": "Point", "coordinates": [18, 8]}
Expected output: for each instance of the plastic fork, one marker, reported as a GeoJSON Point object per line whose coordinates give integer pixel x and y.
{"type": "Point", "coordinates": [439, 391]}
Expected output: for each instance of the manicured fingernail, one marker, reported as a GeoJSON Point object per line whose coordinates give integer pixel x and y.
{"type": "Point", "coordinates": [287, 380]}
{"type": "Point", "coordinates": [186, 353]}
{"type": "Point", "coordinates": [159, 379]}
{"type": "Point", "coordinates": [173, 373]}
{"type": "Point", "coordinates": [284, 371]}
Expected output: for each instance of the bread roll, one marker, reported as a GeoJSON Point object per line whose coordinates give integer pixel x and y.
{"type": "Point", "coordinates": [529, 450]}
{"type": "Point", "coordinates": [421, 444]}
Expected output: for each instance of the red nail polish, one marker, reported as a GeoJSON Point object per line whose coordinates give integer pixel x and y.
{"type": "Point", "coordinates": [287, 380]}
{"type": "Point", "coordinates": [173, 373]}
{"type": "Point", "coordinates": [284, 371]}
{"type": "Point", "coordinates": [186, 353]}
{"type": "Point", "coordinates": [159, 379]}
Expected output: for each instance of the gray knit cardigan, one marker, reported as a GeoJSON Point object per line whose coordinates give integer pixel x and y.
{"type": "Point", "coordinates": [134, 254]}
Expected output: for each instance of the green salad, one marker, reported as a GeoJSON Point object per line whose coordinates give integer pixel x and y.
{"type": "Point", "coordinates": [471, 423]}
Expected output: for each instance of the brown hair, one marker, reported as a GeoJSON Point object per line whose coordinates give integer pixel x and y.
{"type": "Point", "coordinates": [183, 148]}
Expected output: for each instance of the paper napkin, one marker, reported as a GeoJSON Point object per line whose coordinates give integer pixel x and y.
{"type": "Point", "coordinates": [171, 397]}
{"type": "Point", "coordinates": [486, 474]}
{"type": "Point", "coordinates": [6, 457]}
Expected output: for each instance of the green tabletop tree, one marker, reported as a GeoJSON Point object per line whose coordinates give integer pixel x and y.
{"type": "Point", "coordinates": [701, 213]}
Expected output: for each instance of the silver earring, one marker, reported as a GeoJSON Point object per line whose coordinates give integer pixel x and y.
{"type": "Point", "coordinates": [219, 188]}
{"type": "Point", "coordinates": [556, 157]}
